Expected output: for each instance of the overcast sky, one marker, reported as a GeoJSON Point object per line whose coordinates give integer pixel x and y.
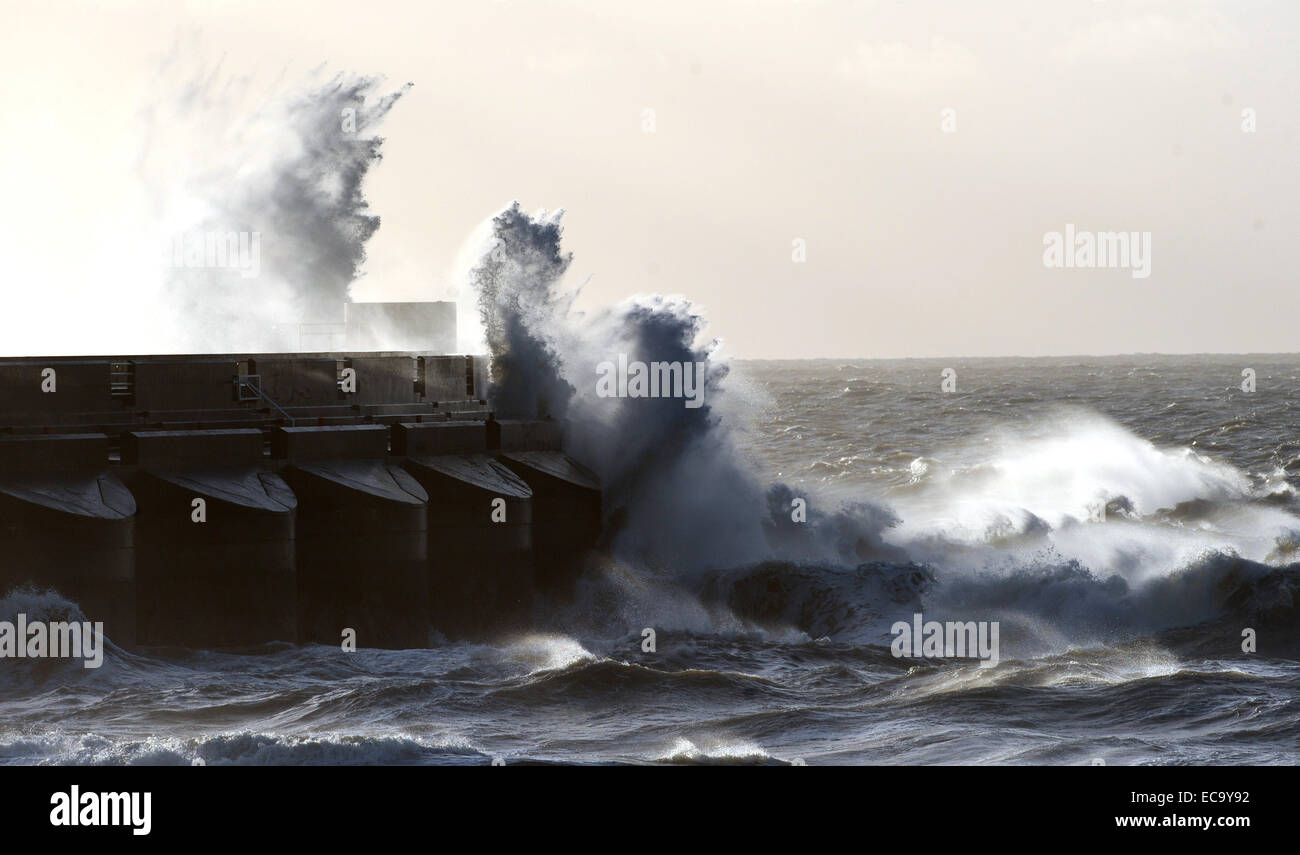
{"type": "Point", "coordinates": [773, 120]}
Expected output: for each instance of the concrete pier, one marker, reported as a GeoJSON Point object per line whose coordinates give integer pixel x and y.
{"type": "Point", "coordinates": [391, 502]}
{"type": "Point", "coordinates": [44, 393]}
{"type": "Point", "coordinates": [566, 515]}
{"type": "Point", "coordinates": [214, 540]}
{"type": "Point", "coordinates": [67, 523]}
{"type": "Point", "coordinates": [362, 537]}
{"type": "Point", "coordinates": [480, 529]}
{"type": "Point", "coordinates": [293, 381]}
{"type": "Point", "coordinates": [566, 498]}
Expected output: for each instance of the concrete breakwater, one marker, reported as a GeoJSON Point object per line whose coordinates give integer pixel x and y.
{"type": "Point", "coordinates": [225, 500]}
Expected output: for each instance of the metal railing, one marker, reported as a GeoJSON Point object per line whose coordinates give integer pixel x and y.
{"type": "Point", "coordinates": [252, 383]}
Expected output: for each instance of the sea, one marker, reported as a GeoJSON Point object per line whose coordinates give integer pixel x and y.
{"type": "Point", "coordinates": [1130, 524]}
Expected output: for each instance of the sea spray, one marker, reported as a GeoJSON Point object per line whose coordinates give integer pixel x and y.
{"type": "Point", "coordinates": [520, 307]}
{"type": "Point", "coordinates": [286, 165]}
{"type": "Point", "coordinates": [676, 491]}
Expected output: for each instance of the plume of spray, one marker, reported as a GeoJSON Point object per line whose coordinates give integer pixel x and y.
{"type": "Point", "coordinates": [677, 493]}
{"type": "Point", "coordinates": [516, 282]}
{"type": "Point", "coordinates": [699, 544]}
{"type": "Point", "coordinates": [273, 179]}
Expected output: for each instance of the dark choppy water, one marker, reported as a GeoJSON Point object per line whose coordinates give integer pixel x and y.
{"type": "Point", "coordinates": [1120, 639]}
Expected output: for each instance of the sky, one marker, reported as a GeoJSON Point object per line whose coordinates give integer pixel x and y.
{"type": "Point", "coordinates": [826, 178]}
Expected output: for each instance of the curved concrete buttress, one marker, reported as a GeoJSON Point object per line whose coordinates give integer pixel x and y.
{"type": "Point", "coordinates": [566, 514]}
{"type": "Point", "coordinates": [220, 575]}
{"type": "Point", "coordinates": [480, 549]}
{"type": "Point", "coordinates": [362, 543]}
{"type": "Point", "coordinates": [71, 529]}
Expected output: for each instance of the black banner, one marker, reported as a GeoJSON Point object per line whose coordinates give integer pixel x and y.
{"type": "Point", "coordinates": [325, 805]}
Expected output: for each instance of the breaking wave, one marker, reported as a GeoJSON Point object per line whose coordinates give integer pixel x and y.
{"type": "Point", "coordinates": [1068, 527]}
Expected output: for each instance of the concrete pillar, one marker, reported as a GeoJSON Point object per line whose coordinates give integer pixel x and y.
{"type": "Point", "coordinates": [566, 514]}
{"type": "Point", "coordinates": [480, 530]}
{"type": "Point", "coordinates": [67, 524]}
{"type": "Point", "coordinates": [215, 540]}
{"type": "Point", "coordinates": [362, 538]}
